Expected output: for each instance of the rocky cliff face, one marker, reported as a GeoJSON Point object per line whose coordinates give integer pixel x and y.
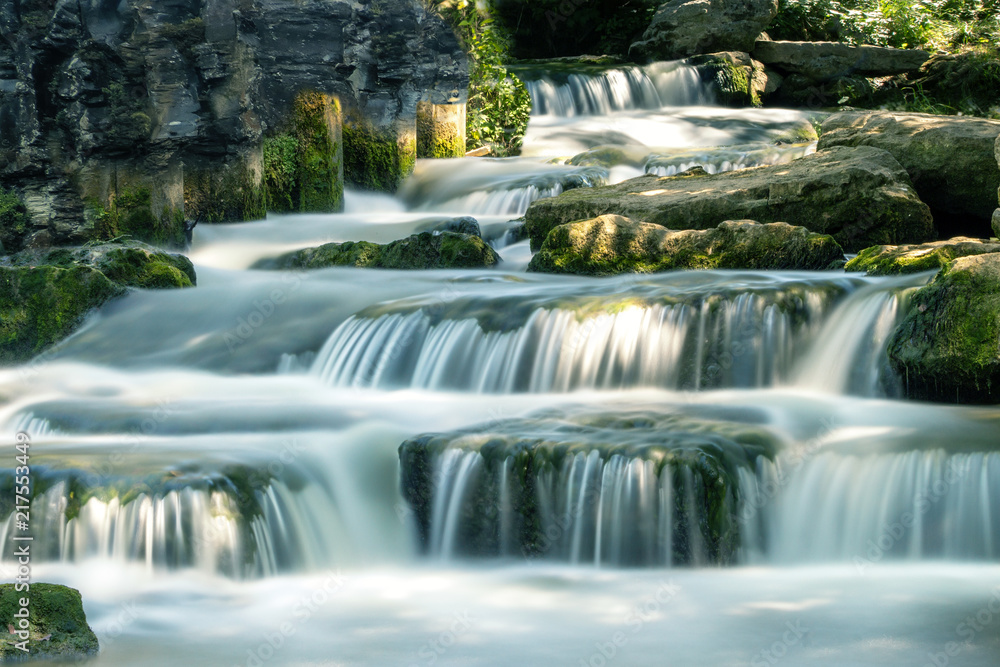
{"type": "Point", "coordinates": [122, 116]}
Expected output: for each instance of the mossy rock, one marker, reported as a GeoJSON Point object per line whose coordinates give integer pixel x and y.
{"type": "Point", "coordinates": [130, 213]}
{"type": "Point", "coordinates": [891, 260]}
{"type": "Point", "coordinates": [41, 305]}
{"type": "Point", "coordinates": [861, 196]}
{"type": "Point", "coordinates": [611, 244]}
{"type": "Point", "coordinates": [376, 160]}
{"type": "Point", "coordinates": [947, 348]}
{"type": "Point", "coordinates": [57, 625]}
{"type": "Point", "coordinates": [702, 454]}
{"type": "Point", "coordinates": [14, 222]}
{"type": "Point", "coordinates": [126, 262]}
{"type": "Point", "coordinates": [426, 250]}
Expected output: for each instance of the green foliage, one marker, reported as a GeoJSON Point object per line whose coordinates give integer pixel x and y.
{"type": "Point", "coordinates": [499, 104]}
{"type": "Point", "coordinates": [897, 23]}
{"type": "Point", "coordinates": [14, 221]}
{"type": "Point", "coordinates": [302, 164]}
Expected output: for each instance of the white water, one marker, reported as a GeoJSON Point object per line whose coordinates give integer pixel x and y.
{"type": "Point", "coordinates": [309, 382]}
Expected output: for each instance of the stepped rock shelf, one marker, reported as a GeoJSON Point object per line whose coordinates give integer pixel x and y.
{"type": "Point", "coordinates": [859, 196]}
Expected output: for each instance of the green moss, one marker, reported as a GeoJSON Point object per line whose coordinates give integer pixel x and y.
{"type": "Point", "coordinates": [224, 195]}
{"type": "Point", "coordinates": [58, 626]}
{"type": "Point", "coordinates": [890, 260]}
{"type": "Point", "coordinates": [447, 250]}
{"type": "Point", "coordinates": [128, 122]}
{"type": "Point", "coordinates": [302, 163]}
{"type": "Point", "coordinates": [138, 267]}
{"type": "Point", "coordinates": [946, 348]}
{"type": "Point", "coordinates": [375, 160]}
{"type": "Point", "coordinates": [14, 222]}
{"type": "Point", "coordinates": [130, 213]}
{"type": "Point", "coordinates": [42, 305]}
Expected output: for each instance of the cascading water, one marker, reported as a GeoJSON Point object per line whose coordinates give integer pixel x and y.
{"type": "Point", "coordinates": [647, 463]}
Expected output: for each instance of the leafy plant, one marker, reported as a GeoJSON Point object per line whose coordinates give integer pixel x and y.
{"type": "Point", "coordinates": [499, 104]}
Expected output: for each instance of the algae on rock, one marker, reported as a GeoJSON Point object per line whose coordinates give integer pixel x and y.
{"type": "Point", "coordinates": [57, 624]}
{"type": "Point", "coordinates": [889, 260]}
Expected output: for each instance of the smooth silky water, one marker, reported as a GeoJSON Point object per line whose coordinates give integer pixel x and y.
{"type": "Point", "coordinates": [217, 470]}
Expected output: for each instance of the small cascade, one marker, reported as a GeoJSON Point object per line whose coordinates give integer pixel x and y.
{"type": "Point", "coordinates": [628, 88]}
{"type": "Point", "coordinates": [595, 490]}
{"type": "Point", "coordinates": [849, 356]}
{"type": "Point", "coordinates": [748, 340]}
{"type": "Point", "coordinates": [240, 523]}
{"type": "Point", "coordinates": [480, 186]}
{"type": "Point", "coordinates": [727, 158]}
{"type": "Point", "coordinates": [868, 508]}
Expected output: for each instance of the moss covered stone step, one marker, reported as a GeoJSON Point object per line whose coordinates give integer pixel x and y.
{"type": "Point", "coordinates": [426, 250]}
{"type": "Point", "coordinates": [632, 486]}
{"type": "Point", "coordinates": [611, 244]}
{"type": "Point", "coordinates": [887, 260]}
{"type": "Point", "coordinates": [860, 196]}
{"type": "Point", "coordinates": [56, 625]}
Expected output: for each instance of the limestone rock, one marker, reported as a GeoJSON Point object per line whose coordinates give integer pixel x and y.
{"type": "Point", "coordinates": [682, 28]}
{"type": "Point", "coordinates": [612, 244]}
{"type": "Point", "coordinates": [948, 347]}
{"type": "Point", "coordinates": [888, 260]}
{"type": "Point", "coordinates": [426, 250]}
{"type": "Point", "coordinates": [951, 160]}
{"type": "Point", "coordinates": [823, 61]}
{"type": "Point", "coordinates": [860, 196]}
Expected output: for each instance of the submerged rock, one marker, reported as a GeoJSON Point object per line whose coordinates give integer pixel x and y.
{"type": "Point", "coordinates": [629, 487]}
{"type": "Point", "coordinates": [57, 625]}
{"type": "Point", "coordinates": [682, 28]}
{"type": "Point", "coordinates": [948, 347]}
{"type": "Point", "coordinates": [612, 244]}
{"type": "Point", "coordinates": [888, 260]}
{"type": "Point", "coordinates": [426, 250]}
{"type": "Point", "coordinates": [860, 196]}
{"type": "Point", "coordinates": [951, 160]}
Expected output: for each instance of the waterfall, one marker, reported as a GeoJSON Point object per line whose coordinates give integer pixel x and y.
{"type": "Point", "coordinates": [615, 510]}
{"type": "Point", "coordinates": [627, 88]}
{"type": "Point", "coordinates": [748, 340]}
{"type": "Point", "coordinates": [213, 524]}
{"type": "Point", "coordinates": [910, 505]}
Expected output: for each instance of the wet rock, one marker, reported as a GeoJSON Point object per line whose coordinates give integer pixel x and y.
{"type": "Point", "coordinates": [737, 79]}
{"type": "Point", "coordinates": [824, 61]}
{"type": "Point", "coordinates": [947, 348]}
{"type": "Point", "coordinates": [683, 28]}
{"type": "Point", "coordinates": [426, 250]}
{"type": "Point", "coordinates": [951, 160]}
{"type": "Point", "coordinates": [860, 196]}
{"type": "Point", "coordinates": [463, 225]}
{"type": "Point", "coordinates": [693, 468]}
{"type": "Point", "coordinates": [889, 260]}
{"type": "Point", "coordinates": [612, 244]}
{"type": "Point", "coordinates": [128, 263]}
{"type": "Point", "coordinates": [56, 629]}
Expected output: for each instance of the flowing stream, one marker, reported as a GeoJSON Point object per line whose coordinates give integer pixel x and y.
{"type": "Point", "coordinates": [719, 468]}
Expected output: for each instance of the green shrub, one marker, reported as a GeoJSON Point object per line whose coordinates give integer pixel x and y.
{"type": "Point", "coordinates": [499, 104]}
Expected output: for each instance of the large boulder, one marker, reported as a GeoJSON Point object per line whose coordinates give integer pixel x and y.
{"type": "Point", "coordinates": [736, 79]}
{"type": "Point", "coordinates": [825, 61]}
{"type": "Point", "coordinates": [54, 628]}
{"type": "Point", "coordinates": [426, 250]}
{"type": "Point", "coordinates": [951, 160]}
{"type": "Point", "coordinates": [860, 196]}
{"type": "Point", "coordinates": [891, 260]}
{"type": "Point", "coordinates": [948, 346]}
{"type": "Point", "coordinates": [683, 28]}
{"type": "Point", "coordinates": [612, 244]}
